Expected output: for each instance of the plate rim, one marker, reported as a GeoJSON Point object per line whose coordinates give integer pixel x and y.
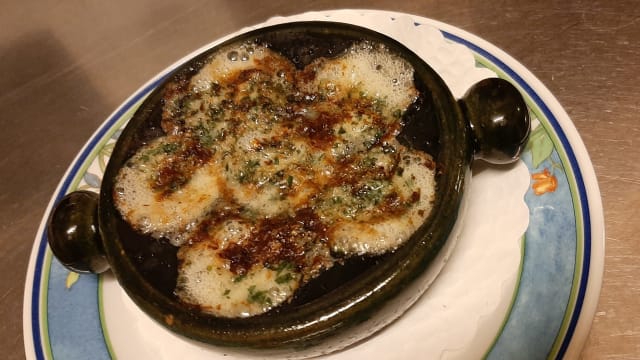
{"type": "Point", "coordinates": [584, 309]}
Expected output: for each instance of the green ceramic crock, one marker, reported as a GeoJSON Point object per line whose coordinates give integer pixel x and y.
{"type": "Point", "coordinates": [349, 302]}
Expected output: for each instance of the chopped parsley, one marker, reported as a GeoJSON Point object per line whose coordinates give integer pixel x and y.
{"type": "Point", "coordinates": [258, 296]}
{"type": "Point", "coordinates": [284, 272]}
{"type": "Point", "coordinates": [205, 138]}
{"type": "Point", "coordinates": [170, 148]}
{"type": "Point", "coordinates": [373, 141]}
{"type": "Point", "coordinates": [370, 192]}
{"type": "Point", "coordinates": [239, 278]}
{"type": "Point", "coordinates": [248, 171]}
{"type": "Point", "coordinates": [284, 278]}
{"type": "Point", "coordinates": [368, 162]}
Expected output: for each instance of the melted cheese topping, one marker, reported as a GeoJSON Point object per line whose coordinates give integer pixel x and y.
{"type": "Point", "coordinates": [205, 278]}
{"type": "Point", "coordinates": [365, 71]}
{"type": "Point", "coordinates": [268, 175]}
{"type": "Point", "coordinates": [372, 232]}
{"type": "Point", "coordinates": [174, 214]}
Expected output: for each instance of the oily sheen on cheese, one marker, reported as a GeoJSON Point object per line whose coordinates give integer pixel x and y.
{"type": "Point", "coordinates": [268, 175]}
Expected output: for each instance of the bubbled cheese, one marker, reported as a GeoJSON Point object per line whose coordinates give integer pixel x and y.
{"type": "Point", "coordinates": [268, 175]}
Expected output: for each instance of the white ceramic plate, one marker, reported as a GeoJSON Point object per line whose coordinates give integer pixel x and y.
{"type": "Point", "coordinates": [522, 282]}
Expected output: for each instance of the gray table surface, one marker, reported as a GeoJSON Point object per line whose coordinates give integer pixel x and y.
{"type": "Point", "coordinates": [66, 65]}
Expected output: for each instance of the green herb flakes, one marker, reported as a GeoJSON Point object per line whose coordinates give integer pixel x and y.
{"type": "Point", "coordinates": [258, 296]}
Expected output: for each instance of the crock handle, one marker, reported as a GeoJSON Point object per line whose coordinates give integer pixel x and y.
{"type": "Point", "coordinates": [499, 120]}
{"type": "Point", "coordinates": [73, 233]}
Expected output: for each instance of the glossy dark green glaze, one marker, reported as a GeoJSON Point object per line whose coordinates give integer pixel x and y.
{"type": "Point", "coordinates": [347, 303]}
{"type": "Point", "coordinates": [499, 120]}
{"type": "Point", "coordinates": [72, 233]}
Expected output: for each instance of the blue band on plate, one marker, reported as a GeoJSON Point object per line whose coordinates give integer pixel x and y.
{"type": "Point", "coordinates": [586, 260]}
